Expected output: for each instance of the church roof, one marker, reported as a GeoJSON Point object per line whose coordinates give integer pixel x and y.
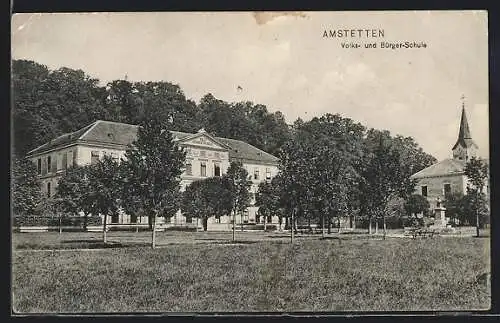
{"type": "Point", "coordinates": [464, 136]}
{"type": "Point", "coordinates": [123, 134]}
{"type": "Point", "coordinates": [445, 167]}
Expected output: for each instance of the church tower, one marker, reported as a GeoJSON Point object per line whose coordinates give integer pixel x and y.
{"type": "Point", "coordinates": [465, 147]}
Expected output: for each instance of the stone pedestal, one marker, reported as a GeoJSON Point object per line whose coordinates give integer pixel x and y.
{"type": "Point", "coordinates": [439, 217]}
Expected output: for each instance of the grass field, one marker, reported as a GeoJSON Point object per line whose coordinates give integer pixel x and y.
{"type": "Point", "coordinates": [198, 272]}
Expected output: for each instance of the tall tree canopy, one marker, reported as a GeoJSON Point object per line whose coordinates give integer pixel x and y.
{"type": "Point", "coordinates": [151, 170]}
{"type": "Point", "coordinates": [25, 187]}
{"type": "Point", "coordinates": [207, 198]}
{"type": "Point", "coordinates": [50, 103]}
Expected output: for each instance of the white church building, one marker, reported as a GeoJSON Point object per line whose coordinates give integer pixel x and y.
{"type": "Point", "coordinates": [448, 175]}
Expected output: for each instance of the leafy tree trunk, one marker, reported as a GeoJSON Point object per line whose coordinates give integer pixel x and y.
{"type": "Point", "coordinates": [241, 219]}
{"type": "Point", "coordinates": [153, 235]}
{"type": "Point", "coordinates": [104, 237]}
{"type": "Point", "coordinates": [338, 222]}
{"type": "Point", "coordinates": [291, 227]}
{"type": "Point", "coordinates": [234, 222]}
{"type": "Point", "coordinates": [197, 223]}
{"type": "Point", "coordinates": [384, 224]}
{"type": "Point", "coordinates": [150, 222]}
{"type": "Point", "coordinates": [85, 222]}
{"type": "Point", "coordinates": [477, 216]}
{"type": "Point", "coordinates": [370, 225]}
{"type": "Point", "coordinates": [265, 221]}
{"type": "Point", "coordinates": [309, 223]}
{"type": "Point", "coordinates": [353, 226]}
{"type": "Point", "coordinates": [376, 226]}
{"type": "Point", "coordinates": [329, 225]}
{"type": "Point", "coordinates": [322, 225]}
{"type": "Point", "coordinates": [205, 224]}
{"type": "Point", "coordinates": [60, 223]}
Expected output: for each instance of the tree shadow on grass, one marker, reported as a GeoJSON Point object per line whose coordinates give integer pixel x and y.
{"type": "Point", "coordinates": [98, 244]}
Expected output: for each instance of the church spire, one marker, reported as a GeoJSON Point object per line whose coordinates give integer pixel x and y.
{"type": "Point", "coordinates": [465, 147]}
{"type": "Point", "coordinates": [464, 132]}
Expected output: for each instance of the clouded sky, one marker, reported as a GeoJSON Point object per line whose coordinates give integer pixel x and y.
{"type": "Point", "coordinates": [286, 63]}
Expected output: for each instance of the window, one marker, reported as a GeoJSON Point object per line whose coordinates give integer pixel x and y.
{"type": "Point", "coordinates": [70, 158]}
{"type": "Point", "coordinates": [189, 168]}
{"type": "Point", "coordinates": [424, 191]}
{"type": "Point", "coordinates": [256, 173]}
{"type": "Point", "coordinates": [49, 162]}
{"type": "Point", "coordinates": [94, 157]}
{"type": "Point", "coordinates": [203, 153]}
{"type": "Point", "coordinates": [216, 169]}
{"type": "Point", "coordinates": [216, 155]}
{"type": "Point", "coordinates": [268, 173]}
{"type": "Point", "coordinates": [48, 189]}
{"type": "Point", "coordinates": [39, 166]}
{"type": "Point", "coordinates": [447, 189]}
{"type": "Point", "coordinates": [59, 162]}
{"type": "Point", "coordinates": [203, 169]}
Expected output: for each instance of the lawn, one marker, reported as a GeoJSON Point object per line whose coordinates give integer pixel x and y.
{"type": "Point", "coordinates": [191, 273]}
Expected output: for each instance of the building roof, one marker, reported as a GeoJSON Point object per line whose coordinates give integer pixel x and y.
{"type": "Point", "coordinates": [445, 167]}
{"type": "Point", "coordinates": [464, 136]}
{"type": "Point", "coordinates": [108, 132]}
{"type": "Point", "coordinates": [245, 152]}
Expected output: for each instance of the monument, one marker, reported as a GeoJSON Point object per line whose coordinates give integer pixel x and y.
{"type": "Point", "coordinates": [439, 215]}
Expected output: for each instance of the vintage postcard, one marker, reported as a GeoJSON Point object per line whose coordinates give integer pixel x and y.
{"type": "Point", "coordinates": [250, 162]}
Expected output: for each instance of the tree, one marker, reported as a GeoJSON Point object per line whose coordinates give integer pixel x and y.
{"type": "Point", "coordinates": [416, 203]}
{"type": "Point", "coordinates": [268, 199]}
{"type": "Point", "coordinates": [104, 189]}
{"type": "Point", "coordinates": [26, 192]}
{"type": "Point", "coordinates": [319, 166]}
{"type": "Point", "coordinates": [207, 198]}
{"type": "Point", "coordinates": [50, 103]}
{"type": "Point", "coordinates": [476, 171]}
{"type": "Point", "coordinates": [166, 101]}
{"type": "Point", "coordinates": [239, 186]}
{"type": "Point", "coordinates": [72, 193]}
{"type": "Point", "coordinates": [28, 123]}
{"type": "Point", "coordinates": [454, 204]}
{"type": "Point", "coordinates": [152, 168]}
{"type": "Point", "coordinates": [384, 176]}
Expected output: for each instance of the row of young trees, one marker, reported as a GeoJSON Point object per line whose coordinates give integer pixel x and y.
{"type": "Point", "coordinates": [330, 166]}
{"type": "Point", "coordinates": [146, 182]}
{"type": "Point", "coordinates": [334, 167]}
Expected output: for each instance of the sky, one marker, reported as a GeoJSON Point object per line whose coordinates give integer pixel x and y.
{"type": "Point", "coordinates": [284, 61]}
